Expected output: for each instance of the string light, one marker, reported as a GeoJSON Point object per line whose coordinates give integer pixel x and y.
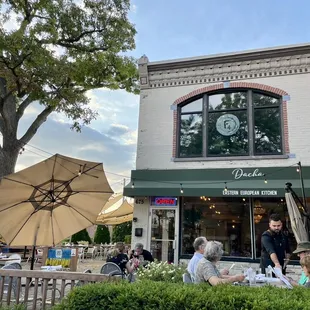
{"type": "Point", "coordinates": [133, 184]}
{"type": "Point", "coordinates": [80, 171]}
{"type": "Point", "coordinates": [298, 168]}
{"type": "Point", "coordinates": [265, 179]}
{"type": "Point", "coordinates": [225, 188]}
{"type": "Point", "coordinates": [181, 189]}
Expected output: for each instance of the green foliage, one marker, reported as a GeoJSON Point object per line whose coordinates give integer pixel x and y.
{"type": "Point", "coordinates": [120, 231]}
{"type": "Point", "coordinates": [53, 53]}
{"type": "Point", "coordinates": [161, 271]}
{"type": "Point", "coordinates": [127, 239]}
{"type": "Point", "coordinates": [102, 234]}
{"type": "Point", "coordinates": [14, 307]}
{"type": "Point", "coordinates": [170, 296]}
{"type": "Point", "coordinates": [81, 236]}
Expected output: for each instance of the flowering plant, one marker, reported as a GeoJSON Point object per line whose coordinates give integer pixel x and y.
{"type": "Point", "coordinates": [161, 271]}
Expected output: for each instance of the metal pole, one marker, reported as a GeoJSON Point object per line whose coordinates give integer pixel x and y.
{"type": "Point", "coordinates": [124, 183]}
{"type": "Point", "coordinates": [302, 187]}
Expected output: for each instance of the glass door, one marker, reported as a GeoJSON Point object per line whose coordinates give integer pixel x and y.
{"type": "Point", "coordinates": [163, 234]}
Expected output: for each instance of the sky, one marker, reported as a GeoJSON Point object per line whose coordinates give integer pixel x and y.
{"type": "Point", "coordinates": [167, 29]}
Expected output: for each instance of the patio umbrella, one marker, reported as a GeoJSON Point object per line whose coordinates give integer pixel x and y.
{"type": "Point", "coordinates": [47, 202]}
{"type": "Point", "coordinates": [297, 222]}
{"type": "Point", "coordinates": [123, 213]}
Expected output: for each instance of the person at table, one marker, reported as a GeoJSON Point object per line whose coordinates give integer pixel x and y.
{"type": "Point", "coordinates": [206, 270]}
{"type": "Point", "coordinates": [302, 250]}
{"type": "Point", "coordinates": [199, 247]}
{"type": "Point", "coordinates": [118, 257]}
{"type": "Point", "coordinates": [305, 265]}
{"type": "Point", "coordinates": [275, 246]}
{"type": "Point", "coordinates": [142, 254]}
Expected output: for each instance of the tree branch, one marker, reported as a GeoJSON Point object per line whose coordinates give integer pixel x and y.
{"type": "Point", "coordinates": [41, 118]}
{"type": "Point", "coordinates": [23, 106]}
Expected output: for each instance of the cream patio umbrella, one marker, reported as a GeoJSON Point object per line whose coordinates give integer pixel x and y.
{"type": "Point", "coordinates": [124, 213]}
{"type": "Point", "coordinates": [46, 203]}
{"type": "Point", "coordinates": [296, 220]}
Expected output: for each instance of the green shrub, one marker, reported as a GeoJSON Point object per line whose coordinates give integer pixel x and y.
{"type": "Point", "coordinates": [127, 239]}
{"type": "Point", "coordinates": [14, 307]}
{"type": "Point", "coordinates": [120, 231]}
{"type": "Point", "coordinates": [82, 235]}
{"type": "Point", "coordinates": [102, 235]}
{"type": "Point", "coordinates": [161, 271]}
{"type": "Point", "coordinates": [151, 295]}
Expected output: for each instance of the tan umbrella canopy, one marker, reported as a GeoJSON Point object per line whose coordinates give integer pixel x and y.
{"type": "Point", "coordinates": [46, 203]}
{"type": "Point", "coordinates": [119, 215]}
{"type": "Point", "coordinates": [113, 203]}
{"type": "Point", "coordinates": [297, 222]}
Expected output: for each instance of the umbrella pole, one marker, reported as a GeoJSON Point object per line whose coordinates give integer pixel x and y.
{"type": "Point", "coordinates": [34, 249]}
{"type": "Point", "coordinates": [33, 257]}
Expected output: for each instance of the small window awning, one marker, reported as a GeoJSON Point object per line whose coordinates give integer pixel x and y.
{"type": "Point", "coordinates": [238, 182]}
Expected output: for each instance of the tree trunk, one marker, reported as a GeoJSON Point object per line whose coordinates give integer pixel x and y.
{"type": "Point", "coordinates": [8, 160]}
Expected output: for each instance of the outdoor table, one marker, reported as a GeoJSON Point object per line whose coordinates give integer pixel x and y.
{"type": "Point", "coordinates": [4, 260]}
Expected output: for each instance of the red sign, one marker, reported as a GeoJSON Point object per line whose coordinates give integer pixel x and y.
{"type": "Point", "coordinates": [165, 201]}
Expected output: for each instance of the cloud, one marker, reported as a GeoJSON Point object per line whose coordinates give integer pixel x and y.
{"type": "Point", "coordinates": [118, 158]}
{"type": "Point", "coordinates": [117, 130]}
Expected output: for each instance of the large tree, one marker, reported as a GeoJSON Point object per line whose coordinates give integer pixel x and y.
{"type": "Point", "coordinates": [56, 51]}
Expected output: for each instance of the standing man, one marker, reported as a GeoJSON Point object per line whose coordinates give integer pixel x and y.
{"type": "Point", "coordinates": [275, 246]}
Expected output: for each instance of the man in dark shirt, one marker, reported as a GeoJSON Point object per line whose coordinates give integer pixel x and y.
{"type": "Point", "coordinates": [139, 251]}
{"type": "Point", "coordinates": [275, 246]}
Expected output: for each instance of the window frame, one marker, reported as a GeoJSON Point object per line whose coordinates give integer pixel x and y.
{"type": "Point", "coordinates": [250, 108]}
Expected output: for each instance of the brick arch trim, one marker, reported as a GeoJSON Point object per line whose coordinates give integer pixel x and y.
{"type": "Point", "coordinates": [206, 89]}
{"type": "Point", "coordinates": [258, 86]}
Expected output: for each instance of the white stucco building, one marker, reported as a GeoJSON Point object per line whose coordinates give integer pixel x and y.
{"type": "Point", "coordinates": [218, 138]}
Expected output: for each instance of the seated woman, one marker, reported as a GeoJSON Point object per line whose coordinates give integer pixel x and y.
{"type": "Point", "coordinates": [118, 257]}
{"type": "Point", "coordinates": [206, 270]}
{"type": "Point", "coordinates": [305, 264]}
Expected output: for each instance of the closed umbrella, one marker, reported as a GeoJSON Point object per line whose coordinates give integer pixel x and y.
{"type": "Point", "coordinates": [296, 220]}
{"type": "Point", "coordinates": [47, 202]}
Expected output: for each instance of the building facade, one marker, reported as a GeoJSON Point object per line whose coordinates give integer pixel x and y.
{"type": "Point", "coordinates": [218, 139]}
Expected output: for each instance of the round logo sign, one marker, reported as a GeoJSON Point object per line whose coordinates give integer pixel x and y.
{"type": "Point", "coordinates": [227, 125]}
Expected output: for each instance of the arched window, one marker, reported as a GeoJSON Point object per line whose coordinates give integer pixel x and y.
{"type": "Point", "coordinates": [238, 122]}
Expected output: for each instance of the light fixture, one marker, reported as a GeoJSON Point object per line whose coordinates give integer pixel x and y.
{"type": "Point", "coordinates": [225, 188]}
{"type": "Point", "coordinates": [209, 198]}
{"type": "Point", "coordinates": [133, 184]}
{"type": "Point", "coordinates": [266, 181]}
{"type": "Point", "coordinates": [298, 168]}
{"type": "Point", "coordinates": [80, 171]}
{"type": "Point", "coordinates": [181, 189]}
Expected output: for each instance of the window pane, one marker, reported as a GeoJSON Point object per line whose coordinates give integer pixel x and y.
{"type": "Point", "coordinates": [195, 106]}
{"type": "Point", "coordinates": [191, 135]}
{"type": "Point", "coordinates": [227, 101]}
{"type": "Point", "coordinates": [223, 219]}
{"type": "Point", "coordinates": [260, 100]}
{"type": "Point", "coordinates": [263, 207]}
{"type": "Point", "coordinates": [228, 133]}
{"type": "Point", "coordinates": [267, 131]}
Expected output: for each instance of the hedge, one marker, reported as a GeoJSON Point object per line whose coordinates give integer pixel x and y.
{"type": "Point", "coordinates": [150, 295]}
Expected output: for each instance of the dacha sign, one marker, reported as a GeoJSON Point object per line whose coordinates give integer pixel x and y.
{"type": "Point", "coordinates": [165, 201]}
{"type": "Point", "coordinates": [239, 173]}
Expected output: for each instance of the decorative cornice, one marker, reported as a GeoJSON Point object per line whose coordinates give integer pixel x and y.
{"type": "Point", "coordinates": [220, 72]}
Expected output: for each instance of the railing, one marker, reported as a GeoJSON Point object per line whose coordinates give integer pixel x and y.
{"type": "Point", "coordinates": [42, 288]}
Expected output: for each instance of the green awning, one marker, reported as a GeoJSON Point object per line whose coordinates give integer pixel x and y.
{"type": "Point", "coordinates": [244, 182]}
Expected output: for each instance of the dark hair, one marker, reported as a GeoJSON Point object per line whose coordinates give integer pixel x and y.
{"type": "Point", "coordinates": [275, 217]}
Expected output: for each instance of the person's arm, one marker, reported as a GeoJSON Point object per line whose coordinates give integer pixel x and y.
{"type": "Point", "coordinates": [132, 265]}
{"type": "Point", "coordinates": [216, 280]}
{"type": "Point", "coordinates": [224, 272]}
{"type": "Point", "coordinates": [267, 242]}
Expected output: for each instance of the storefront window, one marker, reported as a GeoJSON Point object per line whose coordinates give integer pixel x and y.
{"type": "Point", "coordinates": [232, 123]}
{"type": "Point", "coordinates": [223, 219]}
{"type": "Point", "coordinates": [262, 209]}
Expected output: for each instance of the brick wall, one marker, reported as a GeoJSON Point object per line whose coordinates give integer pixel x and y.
{"type": "Point", "coordinates": [157, 123]}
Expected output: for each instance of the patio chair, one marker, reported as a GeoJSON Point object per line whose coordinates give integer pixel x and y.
{"type": "Point", "coordinates": [111, 269]}
{"type": "Point", "coordinates": [81, 254]}
{"type": "Point", "coordinates": [91, 252]}
{"type": "Point", "coordinates": [11, 266]}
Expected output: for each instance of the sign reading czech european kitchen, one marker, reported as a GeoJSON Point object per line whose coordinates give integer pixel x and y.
{"type": "Point", "coordinates": [240, 174]}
